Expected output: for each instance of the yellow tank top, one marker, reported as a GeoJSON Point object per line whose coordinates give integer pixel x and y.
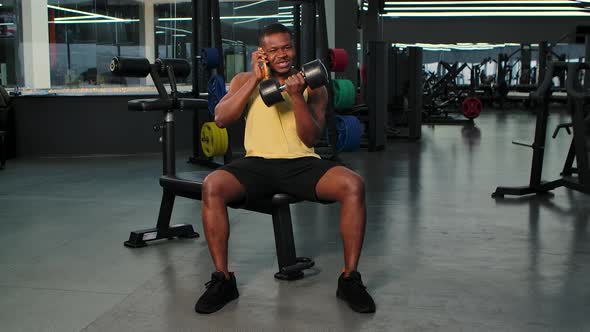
{"type": "Point", "coordinates": [271, 132]}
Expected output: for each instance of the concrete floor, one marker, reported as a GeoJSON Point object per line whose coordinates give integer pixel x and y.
{"type": "Point", "coordinates": [440, 254]}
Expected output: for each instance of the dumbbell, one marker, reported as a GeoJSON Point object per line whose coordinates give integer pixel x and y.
{"type": "Point", "coordinates": [314, 74]}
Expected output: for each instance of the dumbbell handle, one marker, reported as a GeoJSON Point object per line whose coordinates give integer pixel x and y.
{"type": "Point", "coordinates": [284, 86]}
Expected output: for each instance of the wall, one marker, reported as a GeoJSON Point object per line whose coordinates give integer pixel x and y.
{"type": "Point", "coordinates": [89, 126]}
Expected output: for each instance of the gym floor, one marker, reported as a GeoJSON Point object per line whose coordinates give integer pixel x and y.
{"type": "Point", "coordinates": [440, 254]}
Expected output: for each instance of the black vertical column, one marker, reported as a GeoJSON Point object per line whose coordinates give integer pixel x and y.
{"type": "Point", "coordinates": [415, 92]}
{"type": "Point", "coordinates": [321, 32]}
{"type": "Point", "coordinates": [322, 54]}
{"type": "Point", "coordinates": [371, 23]}
{"type": "Point", "coordinates": [371, 32]}
{"type": "Point", "coordinates": [525, 64]}
{"type": "Point", "coordinates": [308, 31]}
{"type": "Point", "coordinates": [377, 92]}
{"type": "Point", "coordinates": [347, 36]}
{"type": "Point", "coordinates": [202, 39]}
{"type": "Point", "coordinates": [297, 33]}
{"type": "Point", "coordinates": [217, 43]}
{"type": "Point", "coordinates": [587, 59]}
{"type": "Point", "coordinates": [542, 62]}
{"type": "Point", "coordinates": [195, 49]}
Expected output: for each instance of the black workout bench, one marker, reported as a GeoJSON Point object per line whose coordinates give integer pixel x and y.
{"type": "Point", "coordinates": [190, 184]}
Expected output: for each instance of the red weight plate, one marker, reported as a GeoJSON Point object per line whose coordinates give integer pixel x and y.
{"type": "Point", "coordinates": [472, 107]}
{"type": "Point", "coordinates": [338, 59]}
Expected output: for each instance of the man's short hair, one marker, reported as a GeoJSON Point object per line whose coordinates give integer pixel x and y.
{"type": "Point", "coordinates": [271, 29]}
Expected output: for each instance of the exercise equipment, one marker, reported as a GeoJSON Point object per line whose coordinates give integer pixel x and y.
{"type": "Point", "coordinates": [344, 93]}
{"type": "Point", "coordinates": [471, 107]}
{"type": "Point", "coordinates": [190, 185]}
{"type": "Point", "coordinates": [349, 133]}
{"type": "Point", "coordinates": [215, 91]}
{"type": "Point", "coordinates": [338, 59]}
{"type": "Point", "coordinates": [180, 67]}
{"type": "Point", "coordinates": [130, 66]}
{"type": "Point", "coordinates": [210, 57]}
{"type": "Point", "coordinates": [214, 140]}
{"type": "Point", "coordinates": [314, 73]}
{"type": "Point", "coordinates": [579, 147]}
{"type": "Point", "coordinates": [208, 61]}
{"type": "Point", "coordinates": [141, 67]}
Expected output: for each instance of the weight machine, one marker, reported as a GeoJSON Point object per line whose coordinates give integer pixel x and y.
{"type": "Point", "coordinates": [577, 178]}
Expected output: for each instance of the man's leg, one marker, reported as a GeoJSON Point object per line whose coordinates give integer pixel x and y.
{"type": "Point", "coordinates": [219, 188]}
{"type": "Point", "coordinates": [345, 186]}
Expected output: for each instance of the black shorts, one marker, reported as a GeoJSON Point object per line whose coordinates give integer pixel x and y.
{"type": "Point", "coordinates": [265, 177]}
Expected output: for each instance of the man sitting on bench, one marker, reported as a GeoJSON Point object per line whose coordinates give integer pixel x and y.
{"type": "Point", "coordinates": [279, 159]}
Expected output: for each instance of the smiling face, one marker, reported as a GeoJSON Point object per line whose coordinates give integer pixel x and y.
{"type": "Point", "coordinates": [279, 51]}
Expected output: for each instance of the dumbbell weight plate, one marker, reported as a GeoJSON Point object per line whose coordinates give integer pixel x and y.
{"type": "Point", "coordinates": [270, 92]}
{"type": "Point", "coordinates": [315, 73]}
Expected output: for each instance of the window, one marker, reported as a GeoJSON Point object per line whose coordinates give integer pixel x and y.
{"type": "Point", "coordinates": [8, 42]}
{"type": "Point", "coordinates": [85, 35]}
{"type": "Point", "coordinates": [174, 31]}
{"type": "Point", "coordinates": [240, 23]}
{"type": "Point", "coordinates": [58, 45]}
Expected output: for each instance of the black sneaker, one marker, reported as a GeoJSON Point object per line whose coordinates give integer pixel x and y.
{"type": "Point", "coordinates": [219, 292]}
{"type": "Point", "coordinates": [353, 291]}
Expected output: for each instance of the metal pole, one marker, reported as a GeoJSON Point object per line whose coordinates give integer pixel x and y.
{"type": "Point", "coordinates": [308, 23]}
{"type": "Point", "coordinates": [216, 23]}
{"type": "Point", "coordinates": [297, 33]}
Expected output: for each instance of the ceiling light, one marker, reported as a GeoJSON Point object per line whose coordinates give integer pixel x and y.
{"type": "Point", "coordinates": [487, 14]}
{"type": "Point", "coordinates": [486, 8]}
{"type": "Point", "coordinates": [94, 21]}
{"type": "Point", "coordinates": [251, 4]}
{"type": "Point", "coordinates": [72, 18]}
{"type": "Point", "coordinates": [83, 12]}
{"type": "Point", "coordinates": [495, 2]}
{"type": "Point", "coordinates": [248, 21]}
{"type": "Point", "coordinates": [173, 29]}
{"type": "Point", "coordinates": [246, 17]}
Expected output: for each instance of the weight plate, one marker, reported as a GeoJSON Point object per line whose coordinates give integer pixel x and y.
{"type": "Point", "coordinates": [349, 133]}
{"type": "Point", "coordinates": [216, 91]}
{"type": "Point", "coordinates": [210, 57]}
{"type": "Point", "coordinates": [338, 59]}
{"type": "Point", "coordinates": [344, 94]}
{"type": "Point", "coordinates": [214, 140]}
{"type": "Point", "coordinates": [472, 107]}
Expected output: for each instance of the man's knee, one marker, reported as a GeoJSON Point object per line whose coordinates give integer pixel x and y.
{"type": "Point", "coordinates": [213, 188]}
{"type": "Point", "coordinates": [353, 187]}
{"type": "Point", "coordinates": [220, 186]}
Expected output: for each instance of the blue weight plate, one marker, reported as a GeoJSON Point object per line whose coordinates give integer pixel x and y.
{"type": "Point", "coordinates": [210, 57]}
{"type": "Point", "coordinates": [216, 91]}
{"type": "Point", "coordinates": [349, 133]}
